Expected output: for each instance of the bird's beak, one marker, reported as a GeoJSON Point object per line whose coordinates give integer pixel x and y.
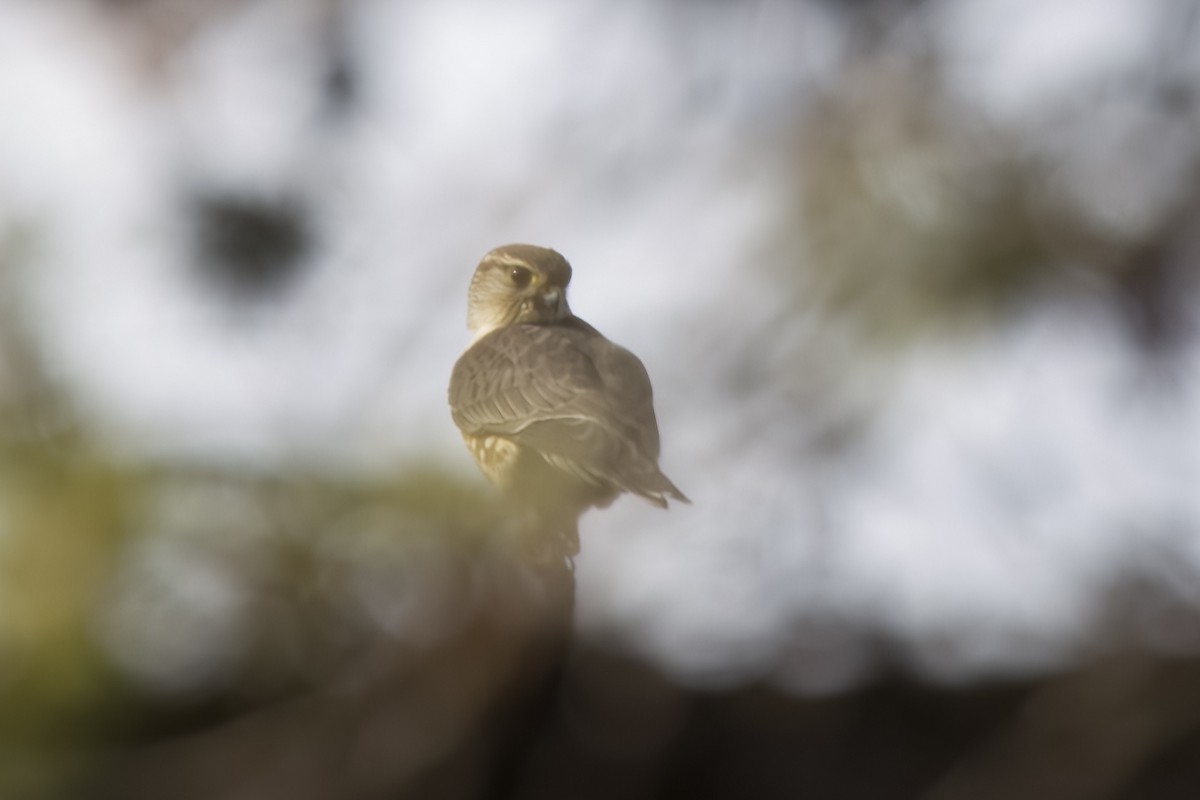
{"type": "Point", "coordinates": [552, 300]}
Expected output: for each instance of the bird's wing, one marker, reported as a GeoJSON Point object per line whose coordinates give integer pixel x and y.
{"type": "Point", "coordinates": [627, 386]}
{"type": "Point", "coordinates": [559, 391]}
{"type": "Point", "coordinates": [520, 375]}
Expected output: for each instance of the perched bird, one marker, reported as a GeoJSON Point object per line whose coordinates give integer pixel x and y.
{"type": "Point", "coordinates": [556, 415]}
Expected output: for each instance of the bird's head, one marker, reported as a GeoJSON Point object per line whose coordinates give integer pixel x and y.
{"type": "Point", "coordinates": [518, 283]}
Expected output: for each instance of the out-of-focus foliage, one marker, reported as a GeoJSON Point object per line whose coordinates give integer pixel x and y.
{"type": "Point", "coordinates": [915, 282]}
{"type": "Point", "coordinates": [378, 627]}
{"type": "Point", "coordinates": [917, 214]}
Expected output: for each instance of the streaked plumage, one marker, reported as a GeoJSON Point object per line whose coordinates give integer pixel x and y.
{"type": "Point", "coordinates": [556, 415]}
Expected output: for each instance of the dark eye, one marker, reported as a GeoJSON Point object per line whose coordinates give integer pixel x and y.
{"type": "Point", "coordinates": [520, 277]}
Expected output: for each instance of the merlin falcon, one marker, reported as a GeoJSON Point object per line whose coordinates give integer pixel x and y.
{"type": "Point", "coordinates": [557, 416]}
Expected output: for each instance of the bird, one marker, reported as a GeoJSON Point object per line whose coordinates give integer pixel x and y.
{"type": "Point", "coordinates": [557, 416]}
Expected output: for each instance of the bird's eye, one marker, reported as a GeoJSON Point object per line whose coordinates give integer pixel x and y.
{"type": "Point", "coordinates": [520, 277]}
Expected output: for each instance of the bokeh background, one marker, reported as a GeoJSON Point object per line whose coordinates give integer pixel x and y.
{"type": "Point", "coordinates": [915, 282]}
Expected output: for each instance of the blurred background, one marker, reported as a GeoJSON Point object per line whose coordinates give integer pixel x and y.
{"type": "Point", "coordinates": [914, 280]}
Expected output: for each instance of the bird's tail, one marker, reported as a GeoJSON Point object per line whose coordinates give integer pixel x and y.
{"type": "Point", "coordinates": [657, 487]}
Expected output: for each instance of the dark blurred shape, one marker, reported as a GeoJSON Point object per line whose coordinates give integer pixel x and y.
{"type": "Point", "coordinates": [341, 88]}
{"type": "Point", "coordinates": [1152, 306]}
{"type": "Point", "coordinates": [613, 731]}
{"type": "Point", "coordinates": [599, 725]}
{"type": "Point", "coordinates": [1089, 735]}
{"type": "Point", "coordinates": [341, 83]}
{"type": "Point", "coordinates": [874, 5]}
{"type": "Point", "coordinates": [1156, 281]}
{"type": "Point", "coordinates": [250, 246]}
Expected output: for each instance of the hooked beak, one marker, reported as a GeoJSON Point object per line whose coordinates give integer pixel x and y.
{"type": "Point", "coordinates": [552, 301]}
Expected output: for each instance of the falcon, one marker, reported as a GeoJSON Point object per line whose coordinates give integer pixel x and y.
{"type": "Point", "coordinates": [557, 416]}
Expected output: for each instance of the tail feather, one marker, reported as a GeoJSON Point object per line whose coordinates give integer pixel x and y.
{"type": "Point", "coordinates": [678, 495]}
{"type": "Point", "coordinates": [657, 488]}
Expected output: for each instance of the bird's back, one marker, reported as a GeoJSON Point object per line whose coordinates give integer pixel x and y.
{"type": "Point", "coordinates": [580, 402]}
